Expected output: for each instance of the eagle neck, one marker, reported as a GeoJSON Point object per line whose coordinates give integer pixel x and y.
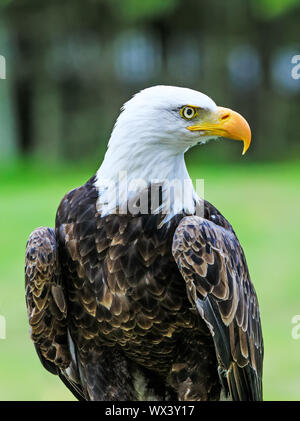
{"type": "Point", "coordinates": [124, 176]}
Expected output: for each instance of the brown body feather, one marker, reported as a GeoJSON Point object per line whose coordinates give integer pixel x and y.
{"type": "Point", "coordinates": [133, 311]}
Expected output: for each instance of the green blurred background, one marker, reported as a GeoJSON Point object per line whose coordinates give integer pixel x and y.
{"type": "Point", "coordinates": [69, 67]}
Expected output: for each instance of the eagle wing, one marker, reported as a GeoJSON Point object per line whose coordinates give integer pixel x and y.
{"type": "Point", "coordinates": [47, 308]}
{"type": "Point", "coordinates": [211, 261]}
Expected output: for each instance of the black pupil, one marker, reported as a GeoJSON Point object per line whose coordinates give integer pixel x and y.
{"type": "Point", "coordinates": [189, 111]}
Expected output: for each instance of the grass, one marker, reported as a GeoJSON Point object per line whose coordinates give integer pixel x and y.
{"type": "Point", "coordinates": [261, 201]}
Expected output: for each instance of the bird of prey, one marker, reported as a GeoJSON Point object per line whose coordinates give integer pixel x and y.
{"type": "Point", "coordinates": [142, 290]}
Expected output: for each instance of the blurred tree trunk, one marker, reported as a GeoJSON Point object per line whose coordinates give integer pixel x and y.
{"type": "Point", "coordinates": [8, 135]}
{"type": "Point", "coordinates": [48, 116]}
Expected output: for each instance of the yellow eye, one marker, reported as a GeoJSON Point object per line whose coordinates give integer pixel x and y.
{"type": "Point", "coordinates": [188, 112]}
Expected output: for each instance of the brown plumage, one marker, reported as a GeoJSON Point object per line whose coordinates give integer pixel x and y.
{"type": "Point", "coordinates": [122, 308]}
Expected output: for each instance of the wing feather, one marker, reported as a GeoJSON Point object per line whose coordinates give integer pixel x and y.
{"type": "Point", "coordinates": [46, 306]}
{"type": "Point", "coordinates": [212, 263]}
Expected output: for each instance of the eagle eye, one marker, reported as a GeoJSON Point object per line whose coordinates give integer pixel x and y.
{"type": "Point", "coordinates": [188, 112]}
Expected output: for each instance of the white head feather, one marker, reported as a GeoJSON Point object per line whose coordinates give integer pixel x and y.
{"type": "Point", "coordinates": [148, 142]}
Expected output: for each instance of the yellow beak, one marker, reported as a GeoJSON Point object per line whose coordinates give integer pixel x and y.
{"type": "Point", "coordinates": [226, 123]}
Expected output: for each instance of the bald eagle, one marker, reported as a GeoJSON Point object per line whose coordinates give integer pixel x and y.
{"type": "Point", "coordinates": [142, 291]}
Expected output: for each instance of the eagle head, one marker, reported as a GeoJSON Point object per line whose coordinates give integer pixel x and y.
{"type": "Point", "coordinates": [153, 131]}
{"type": "Point", "coordinates": [178, 118]}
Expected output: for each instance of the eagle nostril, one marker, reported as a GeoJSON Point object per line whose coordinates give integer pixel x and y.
{"type": "Point", "coordinates": [224, 117]}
